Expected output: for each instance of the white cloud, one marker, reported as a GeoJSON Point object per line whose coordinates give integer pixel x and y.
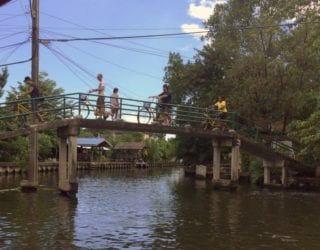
{"type": "Point", "coordinates": [193, 28]}
{"type": "Point", "coordinates": [204, 9]}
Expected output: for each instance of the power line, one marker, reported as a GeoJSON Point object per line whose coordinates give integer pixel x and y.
{"type": "Point", "coordinates": [104, 60]}
{"type": "Point", "coordinates": [113, 29]}
{"type": "Point", "coordinates": [99, 32]}
{"type": "Point", "coordinates": [18, 62]}
{"type": "Point", "coordinates": [118, 65]}
{"type": "Point", "coordinates": [170, 34]}
{"type": "Point", "coordinates": [13, 50]}
{"type": "Point", "coordinates": [123, 37]}
{"type": "Point", "coordinates": [11, 17]}
{"type": "Point", "coordinates": [61, 59]}
{"type": "Point", "coordinates": [78, 66]}
{"type": "Point", "coordinates": [116, 46]}
{"type": "Point", "coordinates": [11, 35]}
{"type": "Point", "coordinates": [14, 44]}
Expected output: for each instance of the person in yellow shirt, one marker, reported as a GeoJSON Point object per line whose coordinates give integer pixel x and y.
{"type": "Point", "coordinates": [221, 106]}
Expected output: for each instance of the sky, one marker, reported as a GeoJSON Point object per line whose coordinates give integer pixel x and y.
{"type": "Point", "coordinates": [135, 66]}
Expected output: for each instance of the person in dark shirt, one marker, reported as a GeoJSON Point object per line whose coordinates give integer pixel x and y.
{"type": "Point", "coordinates": [164, 105]}
{"type": "Point", "coordinates": [34, 93]}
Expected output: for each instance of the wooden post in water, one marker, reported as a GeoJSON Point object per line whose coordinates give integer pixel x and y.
{"type": "Point", "coordinates": [31, 184]}
{"type": "Point", "coordinates": [68, 182]}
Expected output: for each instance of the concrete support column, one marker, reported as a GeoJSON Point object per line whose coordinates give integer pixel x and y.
{"type": "Point", "coordinates": [267, 165]}
{"type": "Point", "coordinates": [31, 184]}
{"type": "Point", "coordinates": [284, 177]}
{"type": "Point", "coordinates": [68, 182]}
{"type": "Point", "coordinates": [63, 164]}
{"type": "Point", "coordinates": [266, 175]}
{"type": "Point", "coordinates": [235, 161]}
{"type": "Point", "coordinates": [201, 171]}
{"type": "Point", "coordinates": [72, 160]}
{"type": "Point", "coordinates": [216, 160]}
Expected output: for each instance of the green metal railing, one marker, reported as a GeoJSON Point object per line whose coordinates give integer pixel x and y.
{"type": "Point", "coordinates": [18, 113]}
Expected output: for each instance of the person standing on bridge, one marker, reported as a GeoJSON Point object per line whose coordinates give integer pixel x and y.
{"type": "Point", "coordinates": [115, 104]}
{"type": "Point", "coordinates": [221, 106]}
{"type": "Point", "coordinates": [34, 93]}
{"type": "Point", "coordinates": [164, 105]}
{"type": "Point", "coordinates": [100, 111]}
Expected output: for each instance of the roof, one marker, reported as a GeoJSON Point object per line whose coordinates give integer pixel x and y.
{"type": "Point", "coordinates": [93, 142]}
{"type": "Point", "coordinates": [130, 145]}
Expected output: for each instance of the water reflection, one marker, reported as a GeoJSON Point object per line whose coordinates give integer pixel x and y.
{"type": "Point", "coordinates": [35, 220]}
{"type": "Point", "coordinates": [155, 209]}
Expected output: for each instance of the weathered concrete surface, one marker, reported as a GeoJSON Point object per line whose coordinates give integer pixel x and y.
{"type": "Point", "coordinates": [201, 171]}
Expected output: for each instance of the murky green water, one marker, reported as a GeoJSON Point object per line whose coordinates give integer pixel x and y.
{"type": "Point", "coordinates": [155, 209]}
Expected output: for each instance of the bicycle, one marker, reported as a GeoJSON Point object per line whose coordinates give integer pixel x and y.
{"type": "Point", "coordinates": [23, 114]}
{"type": "Point", "coordinates": [212, 121]}
{"type": "Point", "coordinates": [148, 114]}
{"type": "Point", "coordinates": [82, 107]}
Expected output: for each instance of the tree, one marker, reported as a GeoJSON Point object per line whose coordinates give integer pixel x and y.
{"type": "Point", "coordinates": [47, 140]}
{"type": "Point", "coordinates": [269, 73]}
{"type": "Point", "coordinates": [47, 86]}
{"type": "Point", "coordinates": [3, 79]}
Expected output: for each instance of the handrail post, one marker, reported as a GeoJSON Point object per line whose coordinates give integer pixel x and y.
{"type": "Point", "coordinates": [79, 109]}
{"type": "Point", "coordinates": [64, 106]}
{"type": "Point", "coordinates": [120, 114]}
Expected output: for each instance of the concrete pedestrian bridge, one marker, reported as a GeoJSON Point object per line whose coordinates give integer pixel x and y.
{"type": "Point", "coordinates": [67, 114]}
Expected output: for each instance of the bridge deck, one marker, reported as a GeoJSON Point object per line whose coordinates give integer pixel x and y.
{"type": "Point", "coordinates": [118, 126]}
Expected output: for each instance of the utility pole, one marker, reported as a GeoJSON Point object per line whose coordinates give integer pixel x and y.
{"type": "Point", "coordinates": [31, 184]}
{"type": "Point", "coordinates": [35, 42]}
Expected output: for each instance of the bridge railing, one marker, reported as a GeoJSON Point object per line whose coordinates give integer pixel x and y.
{"type": "Point", "coordinates": [84, 105]}
{"type": "Point", "coordinates": [18, 113]}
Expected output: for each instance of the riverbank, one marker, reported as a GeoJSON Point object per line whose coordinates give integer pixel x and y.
{"type": "Point", "coordinates": [8, 168]}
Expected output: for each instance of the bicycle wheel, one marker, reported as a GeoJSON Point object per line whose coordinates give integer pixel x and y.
{"type": "Point", "coordinates": [23, 121]}
{"type": "Point", "coordinates": [47, 112]}
{"type": "Point", "coordinates": [144, 116]}
{"type": "Point", "coordinates": [80, 110]}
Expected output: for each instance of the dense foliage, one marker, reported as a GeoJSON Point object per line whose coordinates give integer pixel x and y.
{"type": "Point", "coordinates": [47, 141]}
{"type": "Point", "coordinates": [269, 72]}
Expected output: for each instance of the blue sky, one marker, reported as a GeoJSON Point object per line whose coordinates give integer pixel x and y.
{"type": "Point", "coordinates": [135, 66]}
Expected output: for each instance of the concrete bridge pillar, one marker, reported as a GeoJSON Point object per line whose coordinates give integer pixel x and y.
{"type": "Point", "coordinates": [235, 160]}
{"type": "Point", "coordinates": [216, 160]}
{"type": "Point", "coordinates": [268, 165]}
{"type": "Point", "coordinates": [233, 146]}
{"type": "Point", "coordinates": [31, 184]}
{"type": "Point", "coordinates": [68, 182]}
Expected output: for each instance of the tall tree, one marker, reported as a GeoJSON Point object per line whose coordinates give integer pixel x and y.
{"type": "Point", "coordinates": [3, 79]}
{"type": "Point", "coordinates": [269, 72]}
{"type": "Point", "coordinates": [47, 141]}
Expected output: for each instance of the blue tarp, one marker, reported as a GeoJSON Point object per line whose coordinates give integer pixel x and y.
{"type": "Point", "coordinates": [93, 142]}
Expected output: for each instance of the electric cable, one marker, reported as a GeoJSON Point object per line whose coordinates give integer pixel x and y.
{"type": "Point", "coordinates": [118, 65]}
{"type": "Point", "coordinates": [14, 63]}
{"type": "Point", "coordinates": [82, 26]}
{"type": "Point", "coordinates": [76, 74]}
{"type": "Point", "coordinates": [12, 52]}
{"type": "Point", "coordinates": [11, 35]}
{"type": "Point", "coordinates": [124, 90]}
{"type": "Point", "coordinates": [14, 44]}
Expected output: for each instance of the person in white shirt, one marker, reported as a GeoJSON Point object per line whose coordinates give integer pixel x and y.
{"type": "Point", "coordinates": [115, 105]}
{"type": "Point", "coordinates": [100, 111]}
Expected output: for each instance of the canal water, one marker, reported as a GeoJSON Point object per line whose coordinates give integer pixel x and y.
{"type": "Point", "coordinates": [155, 209]}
